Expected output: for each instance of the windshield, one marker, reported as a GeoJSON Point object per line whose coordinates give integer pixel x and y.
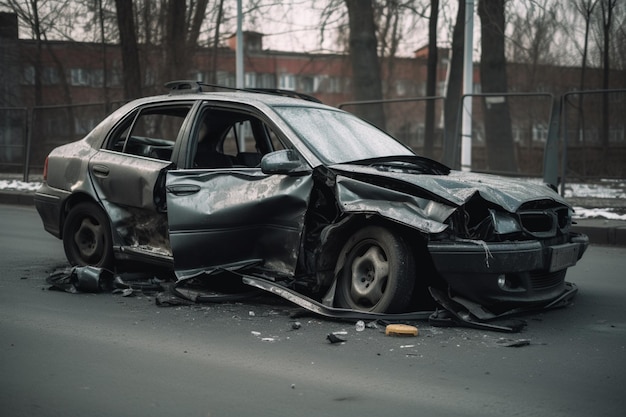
{"type": "Point", "coordinates": [337, 137]}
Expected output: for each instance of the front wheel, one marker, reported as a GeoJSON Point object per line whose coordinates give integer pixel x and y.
{"type": "Point", "coordinates": [87, 237]}
{"type": "Point", "coordinates": [375, 272]}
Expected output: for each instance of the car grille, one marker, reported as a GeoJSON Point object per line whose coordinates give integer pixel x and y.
{"type": "Point", "coordinates": [545, 223]}
{"type": "Point", "coordinates": [546, 280]}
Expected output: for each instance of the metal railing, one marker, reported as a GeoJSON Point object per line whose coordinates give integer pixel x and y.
{"type": "Point", "coordinates": [28, 135]}
{"type": "Point", "coordinates": [571, 137]}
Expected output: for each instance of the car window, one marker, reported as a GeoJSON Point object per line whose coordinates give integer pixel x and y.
{"type": "Point", "coordinates": [338, 137]}
{"type": "Point", "coordinates": [227, 138]}
{"type": "Point", "coordinates": [149, 132]}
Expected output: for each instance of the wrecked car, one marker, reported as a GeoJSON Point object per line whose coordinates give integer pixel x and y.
{"type": "Point", "coordinates": [291, 192]}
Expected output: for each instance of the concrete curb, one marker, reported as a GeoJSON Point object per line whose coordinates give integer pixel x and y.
{"type": "Point", "coordinates": [600, 231]}
{"type": "Point", "coordinates": [22, 198]}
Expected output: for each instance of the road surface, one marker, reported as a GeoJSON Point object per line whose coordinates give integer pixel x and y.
{"type": "Point", "coordinates": [106, 355]}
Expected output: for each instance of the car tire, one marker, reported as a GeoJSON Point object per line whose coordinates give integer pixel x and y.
{"type": "Point", "coordinates": [376, 272]}
{"type": "Point", "coordinates": [87, 237]}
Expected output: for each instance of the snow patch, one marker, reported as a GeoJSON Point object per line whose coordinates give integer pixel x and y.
{"type": "Point", "coordinates": [14, 185]}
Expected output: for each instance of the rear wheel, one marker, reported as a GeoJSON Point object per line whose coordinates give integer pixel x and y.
{"type": "Point", "coordinates": [87, 237]}
{"type": "Point", "coordinates": [377, 272]}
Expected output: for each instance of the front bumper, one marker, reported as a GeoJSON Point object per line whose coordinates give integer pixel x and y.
{"type": "Point", "coordinates": [520, 272]}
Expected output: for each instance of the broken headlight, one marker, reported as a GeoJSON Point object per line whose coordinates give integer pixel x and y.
{"type": "Point", "coordinates": [504, 223]}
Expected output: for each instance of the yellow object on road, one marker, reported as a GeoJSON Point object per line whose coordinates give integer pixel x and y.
{"type": "Point", "coordinates": [401, 330]}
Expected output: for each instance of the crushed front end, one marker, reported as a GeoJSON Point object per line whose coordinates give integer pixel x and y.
{"type": "Point", "coordinates": [497, 258]}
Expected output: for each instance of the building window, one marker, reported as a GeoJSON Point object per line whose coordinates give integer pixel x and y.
{"type": "Point", "coordinates": [225, 79]}
{"type": "Point", "coordinates": [267, 81]}
{"type": "Point", "coordinates": [149, 77]}
{"type": "Point", "coordinates": [401, 88]}
{"type": "Point", "coordinates": [29, 75]}
{"type": "Point", "coordinates": [616, 134]}
{"type": "Point", "coordinates": [79, 76]}
{"type": "Point", "coordinates": [50, 76]}
{"type": "Point", "coordinates": [250, 80]}
{"type": "Point", "coordinates": [540, 132]}
{"type": "Point", "coordinates": [84, 125]}
{"type": "Point", "coordinates": [97, 77]}
{"type": "Point", "coordinates": [307, 84]}
{"type": "Point", "coordinates": [287, 82]}
{"type": "Point", "coordinates": [334, 85]}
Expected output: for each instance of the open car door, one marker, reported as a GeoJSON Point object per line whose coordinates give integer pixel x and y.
{"type": "Point", "coordinates": [224, 209]}
{"type": "Point", "coordinates": [128, 174]}
{"type": "Point", "coordinates": [223, 217]}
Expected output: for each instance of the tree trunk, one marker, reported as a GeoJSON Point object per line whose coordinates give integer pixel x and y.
{"type": "Point", "coordinates": [366, 80]}
{"type": "Point", "coordinates": [498, 132]}
{"type": "Point", "coordinates": [607, 18]}
{"type": "Point", "coordinates": [176, 63]}
{"type": "Point", "coordinates": [453, 92]}
{"type": "Point", "coordinates": [431, 79]}
{"type": "Point", "coordinates": [216, 38]}
{"type": "Point", "coordinates": [130, 51]}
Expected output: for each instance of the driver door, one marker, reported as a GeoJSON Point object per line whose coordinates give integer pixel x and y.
{"type": "Point", "coordinates": [226, 216]}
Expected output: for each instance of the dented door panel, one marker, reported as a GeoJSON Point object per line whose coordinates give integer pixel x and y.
{"type": "Point", "coordinates": [129, 188]}
{"type": "Point", "coordinates": [126, 180]}
{"type": "Point", "coordinates": [220, 217]}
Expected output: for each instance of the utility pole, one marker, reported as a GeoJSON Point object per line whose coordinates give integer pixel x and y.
{"type": "Point", "coordinates": [468, 75]}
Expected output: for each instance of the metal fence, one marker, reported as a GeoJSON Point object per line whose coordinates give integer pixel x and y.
{"type": "Point", "coordinates": [582, 134]}
{"type": "Point", "coordinates": [13, 139]}
{"type": "Point", "coordinates": [405, 119]}
{"type": "Point", "coordinates": [576, 137]}
{"type": "Point", "coordinates": [28, 135]}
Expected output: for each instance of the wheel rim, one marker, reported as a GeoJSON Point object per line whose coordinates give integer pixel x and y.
{"type": "Point", "coordinates": [369, 276]}
{"type": "Point", "coordinates": [89, 239]}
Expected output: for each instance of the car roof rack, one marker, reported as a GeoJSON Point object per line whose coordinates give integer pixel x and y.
{"type": "Point", "coordinates": [192, 87]}
{"type": "Point", "coordinates": [183, 87]}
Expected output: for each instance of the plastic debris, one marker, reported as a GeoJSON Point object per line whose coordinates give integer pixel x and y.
{"type": "Point", "coordinates": [333, 338]}
{"type": "Point", "coordinates": [360, 326]}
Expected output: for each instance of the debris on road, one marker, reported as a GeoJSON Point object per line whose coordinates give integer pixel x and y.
{"type": "Point", "coordinates": [220, 287]}
{"type": "Point", "coordinates": [333, 338]}
{"type": "Point", "coordinates": [401, 330]}
{"type": "Point", "coordinates": [513, 342]}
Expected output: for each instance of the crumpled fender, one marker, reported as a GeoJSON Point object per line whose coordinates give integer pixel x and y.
{"type": "Point", "coordinates": [425, 215]}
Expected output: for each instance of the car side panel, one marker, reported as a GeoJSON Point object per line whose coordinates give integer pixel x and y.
{"type": "Point", "coordinates": [129, 187]}
{"type": "Point", "coordinates": [124, 179]}
{"type": "Point", "coordinates": [221, 217]}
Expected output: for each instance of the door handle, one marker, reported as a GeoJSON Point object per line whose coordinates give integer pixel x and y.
{"type": "Point", "coordinates": [183, 189]}
{"type": "Point", "coordinates": [100, 170]}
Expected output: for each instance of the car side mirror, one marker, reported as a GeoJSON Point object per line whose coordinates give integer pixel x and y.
{"type": "Point", "coordinates": [285, 161]}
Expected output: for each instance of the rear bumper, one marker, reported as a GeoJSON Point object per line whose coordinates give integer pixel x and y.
{"type": "Point", "coordinates": [49, 202]}
{"type": "Point", "coordinates": [523, 272]}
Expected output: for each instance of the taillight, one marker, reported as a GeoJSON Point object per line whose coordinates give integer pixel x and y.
{"type": "Point", "coordinates": [45, 169]}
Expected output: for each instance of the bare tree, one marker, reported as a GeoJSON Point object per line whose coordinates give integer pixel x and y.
{"type": "Point", "coordinates": [493, 78]}
{"type": "Point", "coordinates": [585, 8]}
{"type": "Point", "coordinates": [607, 7]}
{"type": "Point", "coordinates": [454, 89]}
{"type": "Point", "coordinates": [130, 50]}
{"type": "Point", "coordinates": [366, 80]}
{"type": "Point", "coordinates": [431, 79]}
{"type": "Point", "coordinates": [181, 37]}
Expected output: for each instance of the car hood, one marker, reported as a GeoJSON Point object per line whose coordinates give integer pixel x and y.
{"type": "Point", "coordinates": [455, 188]}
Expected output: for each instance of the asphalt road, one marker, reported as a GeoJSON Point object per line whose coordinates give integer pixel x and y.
{"type": "Point", "coordinates": [106, 355]}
